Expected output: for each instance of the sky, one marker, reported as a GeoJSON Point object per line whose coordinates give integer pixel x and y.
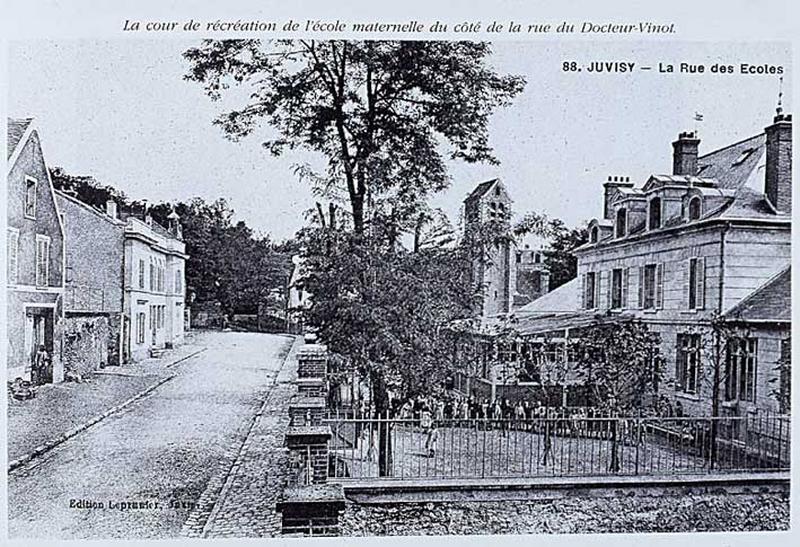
{"type": "Point", "coordinates": [120, 110]}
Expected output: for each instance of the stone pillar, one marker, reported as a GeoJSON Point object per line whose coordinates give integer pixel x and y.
{"type": "Point", "coordinates": [311, 511]}
{"type": "Point", "coordinates": [306, 410]}
{"type": "Point", "coordinates": [308, 452]}
{"type": "Point", "coordinates": [312, 387]}
{"type": "Point", "coordinates": [312, 361]}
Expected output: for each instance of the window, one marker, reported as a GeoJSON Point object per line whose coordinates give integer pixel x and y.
{"type": "Point", "coordinates": [152, 279]}
{"type": "Point", "coordinates": [519, 260]}
{"type": "Point", "coordinates": [651, 286]}
{"type": "Point", "coordinates": [30, 197]}
{"type": "Point", "coordinates": [655, 213]}
{"type": "Point", "coordinates": [140, 327]}
{"type": "Point", "coordinates": [697, 283]}
{"type": "Point", "coordinates": [537, 258]}
{"type": "Point", "coordinates": [13, 254]}
{"type": "Point", "coordinates": [687, 363]}
{"type": "Point", "coordinates": [622, 221]}
{"type": "Point", "coordinates": [740, 370]}
{"type": "Point", "coordinates": [594, 235]}
{"type": "Point", "coordinates": [616, 288]}
{"type": "Point", "coordinates": [179, 281]}
{"type": "Point", "coordinates": [695, 208]}
{"type": "Point", "coordinates": [42, 260]}
{"type": "Point", "coordinates": [141, 273]}
{"type": "Point", "coordinates": [590, 286]}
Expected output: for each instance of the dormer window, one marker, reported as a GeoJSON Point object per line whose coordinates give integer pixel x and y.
{"type": "Point", "coordinates": [594, 235]}
{"type": "Point", "coordinates": [622, 221]}
{"type": "Point", "coordinates": [654, 216]}
{"type": "Point", "coordinates": [695, 208]}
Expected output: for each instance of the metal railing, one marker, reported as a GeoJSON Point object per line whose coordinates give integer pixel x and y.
{"type": "Point", "coordinates": [402, 448]}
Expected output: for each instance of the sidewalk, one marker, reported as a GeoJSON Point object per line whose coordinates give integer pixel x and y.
{"type": "Point", "coordinates": [61, 410]}
{"type": "Point", "coordinates": [245, 506]}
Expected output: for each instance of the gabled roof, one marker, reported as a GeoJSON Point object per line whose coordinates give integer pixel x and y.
{"type": "Point", "coordinates": [770, 302]}
{"type": "Point", "coordinates": [481, 190]}
{"type": "Point", "coordinates": [15, 131]}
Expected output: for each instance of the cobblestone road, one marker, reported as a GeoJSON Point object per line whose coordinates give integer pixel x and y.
{"type": "Point", "coordinates": [159, 452]}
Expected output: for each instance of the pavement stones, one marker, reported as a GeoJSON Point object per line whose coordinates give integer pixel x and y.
{"type": "Point", "coordinates": [240, 501]}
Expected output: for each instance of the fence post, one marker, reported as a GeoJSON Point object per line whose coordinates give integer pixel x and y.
{"type": "Point", "coordinates": [638, 442]}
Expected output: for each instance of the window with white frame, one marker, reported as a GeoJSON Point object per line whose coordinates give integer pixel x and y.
{"type": "Point", "coordinates": [141, 273]}
{"type": "Point", "coordinates": [140, 327]}
{"type": "Point", "coordinates": [591, 286]}
{"type": "Point", "coordinates": [687, 363]}
{"type": "Point", "coordinates": [695, 208]}
{"type": "Point", "coordinates": [13, 256]}
{"type": "Point", "coordinates": [740, 369]}
{"type": "Point", "coordinates": [616, 289]}
{"type": "Point", "coordinates": [30, 197]}
{"type": "Point", "coordinates": [42, 260]}
{"type": "Point", "coordinates": [651, 286]}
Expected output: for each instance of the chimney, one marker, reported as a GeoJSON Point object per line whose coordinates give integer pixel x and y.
{"type": "Point", "coordinates": [778, 178]}
{"type": "Point", "coordinates": [611, 186]}
{"type": "Point", "coordinates": [111, 208]}
{"type": "Point", "coordinates": [684, 154]}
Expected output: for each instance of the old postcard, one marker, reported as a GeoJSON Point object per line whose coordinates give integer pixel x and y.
{"type": "Point", "coordinates": [283, 274]}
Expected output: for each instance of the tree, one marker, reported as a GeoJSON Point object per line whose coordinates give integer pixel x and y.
{"type": "Point", "coordinates": [378, 111]}
{"type": "Point", "coordinates": [620, 361]}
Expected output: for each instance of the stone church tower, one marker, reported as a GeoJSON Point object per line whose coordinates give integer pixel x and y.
{"type": "Point", "coordinates": [494, 268]}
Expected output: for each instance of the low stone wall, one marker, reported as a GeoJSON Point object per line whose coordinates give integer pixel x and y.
{"type": "Point", "coordinates": [710, 512]}
{"type": "Point", "coordinates": [87, 343]}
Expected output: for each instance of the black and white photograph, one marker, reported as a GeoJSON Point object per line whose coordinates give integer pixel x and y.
{"type": "Point", "coordinates": [265, 287]}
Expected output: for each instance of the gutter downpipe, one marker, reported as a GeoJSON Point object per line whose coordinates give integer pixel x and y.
{"type": "Point", "coordinates": [725, 228]}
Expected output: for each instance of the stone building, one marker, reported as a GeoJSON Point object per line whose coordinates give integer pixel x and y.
{"type": "Point", "coordinates": [35, 256]}
{"type": "Point", "coordinates": [489, 203]}
{"type": "Point", "coordinates": [93, 296]}
{"type": "Point", "coordinates": [154, 286]}
{"type": "Point", "coordinates": [532, 275]}
{"type": "Point", "coordinates": [699, 255]}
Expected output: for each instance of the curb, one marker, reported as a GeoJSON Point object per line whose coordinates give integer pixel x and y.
{"type": "Point", "coordinates": [49, 445]}
{"type": "Point", "coordinates": [218, 487]}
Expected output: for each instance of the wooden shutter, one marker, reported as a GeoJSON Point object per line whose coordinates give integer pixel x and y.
{"type": "Point", "coordinates": [641, 287]}
{"type": "Point", "coordinates": [42, 252]}
{"type": "Point", "coordinates": [660, 286]}
{"type": "Point", "coordinates": [597, 278]}
{"type": "Point", "coordinates": [626, 278]}
{"type": "Point", "coordinates": [583, 292]}
{"type": "Point", "coordinates": [609, 288]}
{"type": "Point", "coordinates": [700, 281]}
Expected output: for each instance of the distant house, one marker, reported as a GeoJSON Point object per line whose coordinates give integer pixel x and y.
{"type": "Point", "coordinates": [154, 285]}
{"type": "Point", "coordinates": [35, 259]}
{"type": "Point", "coordinates": [93, 295]}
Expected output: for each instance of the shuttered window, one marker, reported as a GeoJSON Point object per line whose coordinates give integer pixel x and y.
{"type": "Point", "coordinates": [616, 299]}
{"type": "Point", "coordinates": [651, 286]}
{"type": "Point", "coordinates": [13, 254]}
{"type": "Point", "coordinates": [42, 260]}
{"type": "Point", "coordinates": [687, 363]}
{"type": "Point", "coordinates": [697, 283]}
{"type": "Point", "coordinates": [626, 282]}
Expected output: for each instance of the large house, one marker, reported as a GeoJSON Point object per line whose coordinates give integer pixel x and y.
{"type": "Point", "coordinates": [154, 285]}
{"type": "Point", "coordinates": [702, 257]}
{"type": "Point", "coordinates": [35, 255]}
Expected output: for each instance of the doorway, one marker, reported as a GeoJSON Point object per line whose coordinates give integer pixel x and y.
{"type": "Point", "coordinates": [39, 322]}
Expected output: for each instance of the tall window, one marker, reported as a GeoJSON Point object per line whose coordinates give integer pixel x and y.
{"type": "Point", "coordinates": [140, 325]}
{"type": "Point", "coordinates": [178, 282]}
{"type": "Point", "coordinates": [13, 253]}
{"type": "Point", "coordinates": [30, 197]}
{"type": "Point", "coordinates": [694, 208]}
{"type": "Point", "coordinates": [740, 370]}
{"type": "Point", "coordinates": [622, 221]}
{"type": "Point", "coordinates": [141, 273]}
{"type": "Point", "coordinates": [616, 288]}
{"type": "Point", "coordinates": [655, 213]}
{"type": "Point", "coordinates": [594, 235]}
{"type": "Point", "coordinates": [697, 283]}
{"type": "Point", "coordinates": [590, 284]}
{"type": "Point", "coordinates": [651, 286]}
{"type": "Point", "coordinates": [152, 280]}
{"type": "Point", "coordinates": [42, 260]}
{"type": "Point", "coordinates": [687, 363]}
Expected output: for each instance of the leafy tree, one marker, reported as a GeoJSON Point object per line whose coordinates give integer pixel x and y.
{"type": "Point", "coordinates": [621, 363]}
{"type": "Point", "coordinates": [87, 189]}
{"type": "Point", "coordinates": [378, 111]}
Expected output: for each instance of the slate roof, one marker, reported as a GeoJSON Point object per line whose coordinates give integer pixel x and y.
{"type": "Point", "coordinates": [16, 129]}
{"type": "Point", "coordinates": [770, 302]}
{"type": "Point", "coordinates": [729, 166]}
{"type": "Point", "coordinates": [562, 299]}
{"type": "Point", "coordinates": [480, 190]}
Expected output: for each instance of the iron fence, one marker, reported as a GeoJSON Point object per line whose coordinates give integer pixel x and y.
{"type": "Point", "coordinates": [404, 448]}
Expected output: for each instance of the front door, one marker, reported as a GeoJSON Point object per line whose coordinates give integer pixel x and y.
{"type": "Point", "coordinates": [39, 332]}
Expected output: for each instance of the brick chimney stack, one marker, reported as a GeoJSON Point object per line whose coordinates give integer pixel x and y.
{"type": "Point", "coordinates": [111, 208]}
{"type": "Point", "coordinates": [778, 179]}
{"type": "Point", "coordinates": [684, 154]}
{"type": "Point", "coordinates": [609, 188]}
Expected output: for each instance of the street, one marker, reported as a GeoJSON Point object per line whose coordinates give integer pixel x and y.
{"type": "Point", "coordinates": [139, 473]}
